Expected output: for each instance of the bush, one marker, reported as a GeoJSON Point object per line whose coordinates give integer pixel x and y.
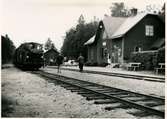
{"type": "Point", "coordinates": [149, 59]}
{"type": "Point", "coordinates": [116, 66]}
{"type": "Point", "coordinates": [96, 64]}
{"type": "Point", "coordinates": [161, 55]}
{"type": "Point", "coordinates": [91, 64]}
{"type": "Point", "coordinates": [104, 64]}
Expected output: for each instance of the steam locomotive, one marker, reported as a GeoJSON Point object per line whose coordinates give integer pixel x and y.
{"type": "Point", "coordinates": [29, 56]}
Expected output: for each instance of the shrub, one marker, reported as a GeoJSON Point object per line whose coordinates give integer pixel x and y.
{"type": "Point", "coordinates": [104, 64]}
{"type": "Point", "coordinates": [161, 55]}
{"type": "Point", "coordinates": [91, 64]}
{"type": "Point", "coordinates": [148, 59]}
{"type": "Point", "coordinates": [116, 66]}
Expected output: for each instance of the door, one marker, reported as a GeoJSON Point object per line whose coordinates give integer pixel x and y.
{"type": "Point", "coordinates": [108, 58]}
{"type": "Point", "coordinates": [116, 55]}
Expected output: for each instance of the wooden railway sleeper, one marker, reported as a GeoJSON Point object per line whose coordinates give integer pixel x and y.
{"type": "Point", "coordinates": [75, 90]}
{"type": "Point", "coordinates": [153, 104]}
{"type": "Point", "coordinates": [142, 107]}
{"type": "Point", "coordinates": [135, 105]}
{"type": "Point", "coordinates": [105, 101]}
{"type": "Point", "coordinates": [85, 85]}
{"type": "Point", "coordinates": [91, 87]}
{"type": "Point", "coordinates": [138, 99]}
{"type": "Point", "coordinates": [106, 86]}
{"type": "Point", "coordinates": [125, 96]}
{"type": "Point", "coordinates": [96, 98]}
{"type": "Point", "coordinates": [150, 104]}
{"type": "Point", "coordinates": [72, 88]}
{"type": "Point", "coordinates": [118, 93]}
{"type": "Point", "coordinates": [103, 90]}
{"type": "Point", "coordinates": [91, 95]}
{"type": "Point", "coordinates": [124, 106]}
{"type": "Point", "coordinates": [64, 85]}
{"type": "Point", "coordinates": [84, 92]}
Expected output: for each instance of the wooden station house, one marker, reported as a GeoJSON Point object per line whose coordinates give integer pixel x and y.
{"type": "Point", "coordinates": [117, 37]}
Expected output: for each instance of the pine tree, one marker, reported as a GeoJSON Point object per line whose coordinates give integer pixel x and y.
{"type": "Point", "coordinates": [76, 37]}
{"type": "Point", "coordinates": [8, 49]}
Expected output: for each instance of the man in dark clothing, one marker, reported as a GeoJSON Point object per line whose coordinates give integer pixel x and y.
{"type": "Point", "coordinates": [59, 61]}
{"type": "Point", "coordinates": [81, 62]}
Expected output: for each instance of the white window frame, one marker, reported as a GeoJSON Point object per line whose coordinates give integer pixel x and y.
{"type": "Point", "coordinates": [149, 30]}
{"type": "Point", "coordinates": [139, 49]}
{"type": "Point", "coordinates": [104, 43]}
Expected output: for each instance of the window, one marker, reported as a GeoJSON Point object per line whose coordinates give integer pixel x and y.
{"type": "Point", "coordinates": [39, 47]}
{"type": "Point", "coordinates": [137, 49]}
{"type": "Point", "coordinates": [119, 51]}
{"type": "Point", "coordinates": [149, 30]}
{"type": "Point", "coordinates": [104, 43]}
{"type": "Point", "coordinates": [105, 52]}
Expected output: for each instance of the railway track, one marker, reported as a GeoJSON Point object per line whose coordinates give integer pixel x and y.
{"type": "Point", "coordinates": [139, 77]}
{"type": "Point", "coordinates": [147, 105]}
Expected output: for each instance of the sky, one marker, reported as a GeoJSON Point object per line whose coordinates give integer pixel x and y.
{"type": "Point", "coordinates": [38, 20]}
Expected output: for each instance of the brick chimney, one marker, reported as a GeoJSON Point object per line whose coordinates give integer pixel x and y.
{"type": "Point", "coordinates": [133, 11]}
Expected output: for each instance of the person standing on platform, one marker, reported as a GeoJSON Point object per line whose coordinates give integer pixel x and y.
{"type": "Point", "coordinates": [59, 61]}
{"type": "Point", "coordinates": [81, 62]}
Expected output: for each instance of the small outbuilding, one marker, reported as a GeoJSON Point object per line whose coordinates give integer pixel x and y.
{"type": "Point", "coordinates": [50, 56]}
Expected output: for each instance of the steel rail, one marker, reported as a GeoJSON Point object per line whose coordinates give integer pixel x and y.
{"type": "Point", "coordinates": [132, 104]}
{"type": "Point", "coordinates": [95, 84]}
{"type": "Point", "coordinates": [139, 77]}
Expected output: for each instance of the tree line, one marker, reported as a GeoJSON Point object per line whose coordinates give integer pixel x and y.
{"type": "Point", "coordinates": [75, 38]}
{"type": "Point", "coordinates": [8, 49]}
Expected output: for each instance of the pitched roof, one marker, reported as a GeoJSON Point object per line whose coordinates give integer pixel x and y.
{"type": "Point", "coordinates": [129, 23]}
{"type": "Point", "coordinates": [116, 27]}
{"type": "Point", "coordinates": [90, 41]}
{"type": "Point", "coordinates": [111, 24]}
{"type": "Point", "coordinates": [54, 50]}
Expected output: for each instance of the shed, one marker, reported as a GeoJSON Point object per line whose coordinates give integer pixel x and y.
{"type": "Point", "coordinates": [50, 56]}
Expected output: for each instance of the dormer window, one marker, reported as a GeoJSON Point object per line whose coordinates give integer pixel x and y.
{"type": "Point", "coordinates": [149, 30]}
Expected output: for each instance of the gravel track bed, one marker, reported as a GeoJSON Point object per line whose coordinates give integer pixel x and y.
{"type": "Point", "coordinates": [27, 95]}
{"type": "Point", "coordinates": [141, 86]}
